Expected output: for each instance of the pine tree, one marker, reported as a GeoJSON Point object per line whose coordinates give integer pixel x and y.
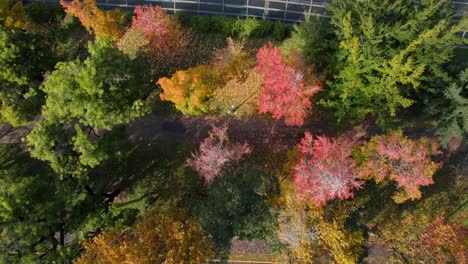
{"type": "Point", "coordinates": [388, 51]}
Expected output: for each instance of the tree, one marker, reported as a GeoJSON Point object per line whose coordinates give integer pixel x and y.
{"type": "Point", "coordinates": [452, 111]}
{"type": "Point", "coordinates": [314, 38]}
{"type": "Point", "coordinates": [295, 228]}
{"type": "Point", "coordinates": [216, 153]}
{"type": "Point", "coordinates": [95, 20]}
{"type": "Point", "coordinates": [423, 231]}
{"type": "Point", "coordinates": [85, 101]}
{"type": "Point", "coordinates": [236, 205]}
{"type": "Point", "coordinates": [386, 55]}
{"type": "Point", "coordinates": [398, 158]}
{"type": "Point", "coordinates": [162, 32]}
{"type": "Point", "coordinates": [37, 210]}
{"type": "Point", "coordinates": [163, 237]}
{"type": "Point", "coordinates": [13, 16]}
{"type": "Point", "coordinates": [190, 90]}
{"type": "Point", "coordinates": [133, 42]}
{"type": "Point", "coordinates": [326, 170]}
{"type": "Point", "coordinates": [23, 61]}
{"type": "Point", "coordinates": [284, 93]}
{"type": "Point", "coordinates": [442, 241]}
{"type": "Point", "coordinates": [313, 234]}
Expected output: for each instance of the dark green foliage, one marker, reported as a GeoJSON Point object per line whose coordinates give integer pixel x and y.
{"type": "Point", "coordinates": [43, 13]}
{"type": "Point", "coordinates": [452, 110]}
{"type": "Point", "coordinates": [236, 206]}
{"type": "Point", "coordinates": [246, 28]}
{"type": "Point", "coordinates": [389, 53]}
{"type": "Point", "coordinates": [316, 40]}
{"type": "Point", "coordinates": [34, 206]}
{"type": "Point", "coordinates": [68, 40]}
{"type": "Point", "coordinates": [23, 61]}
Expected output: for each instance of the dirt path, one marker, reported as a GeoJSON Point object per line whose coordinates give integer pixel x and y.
{"type": "Point", "coordinates": [255, 131]}
{"type": "Point", "coordinates": [193, 129]}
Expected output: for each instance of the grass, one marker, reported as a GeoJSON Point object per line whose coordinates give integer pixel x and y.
{"type": "Point", "coordinates": [240, 96]}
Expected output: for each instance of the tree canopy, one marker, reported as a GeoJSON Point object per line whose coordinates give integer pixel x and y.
{"type": "Point", "coordinates": [83, 100]}
{"type": "Point", "coordinates": [23, 62]}
{"type": "Point", "coordinates": [388, 52]}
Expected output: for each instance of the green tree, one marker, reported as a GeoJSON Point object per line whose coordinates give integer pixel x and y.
{"type": "Point", "coordinates": [236, 206]}
{"type": "Point", "coordinates": [389, 51]}
{"type": "Point", "coordinates": [23, 61]}
{"type": "Point", "coordinates": [316, 41]}
{"type": "Point", "coordinates": [452, 110]}
{"type": "Point", "coordinates": [85, 101]}
{"type": "Point", "coordinates": [36, 209]}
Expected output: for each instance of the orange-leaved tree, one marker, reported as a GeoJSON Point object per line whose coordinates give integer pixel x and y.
{"type": "Point", "coordinates": [190, 90]}
{"type": "Point", "coordinates": [398, 158]}
{"type": "Point", "coordinates": [96, 21]}
{"type": "Point", "coordinates": [165, 237]}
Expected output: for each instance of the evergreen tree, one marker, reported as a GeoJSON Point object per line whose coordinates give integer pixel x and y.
{"type": "Point", "coordinates": [452, 110]}
{"type": "Point", "coordinates": [388, 51]}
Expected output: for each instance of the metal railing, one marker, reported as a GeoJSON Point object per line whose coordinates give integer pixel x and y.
{"type": "Point", "coordinates": [291, 11]}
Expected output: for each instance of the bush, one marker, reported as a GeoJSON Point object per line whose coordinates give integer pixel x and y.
{"type": "Point", "coordinates": [43, 13]}
{"type": "Point", "coordinates": [280, 31]}
{"type": "Point", "coordinates": [247, 28]}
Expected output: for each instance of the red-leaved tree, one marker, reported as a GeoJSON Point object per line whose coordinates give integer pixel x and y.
{"type": "Point", "coordinates": [284, 93]}
{"type": "Point", "coordinates": [398, 158]}
{"type": "Point", "coordinates": [162, 32]}
{"type": "Point", "coordinates": [326, 170]}
{"type": "Point", "coordinates": [215, 153]}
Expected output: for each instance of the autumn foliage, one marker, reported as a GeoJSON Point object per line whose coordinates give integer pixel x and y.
{"type": "Point", "coordinates": [170, 238]}
{"type": "Point", "coordinates": [215, 153]}
{"type": "Point", "coordinates": [13, 16]}
{"type": "Point", "coordinates": [95, 20]}
{"type": "Point", "coordinates": [284, 93]}
{"type": "Point", "coordinates": [442, 241]}
{"type": "Point", "coordinates": [326, 170]}
{"type": "Point", "coordinates": [190, 90]}
{"type": "Point", "coordinates": [398, 158]}
{"type": "Point", "coordinates": [162, 32]}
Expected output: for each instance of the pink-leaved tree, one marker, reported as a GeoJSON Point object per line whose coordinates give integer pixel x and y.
{"type": "Point", "coordinates": [162, 32]}
{"type": "Point", "coordinates": [326, 170]}
{"type": "Point", "coordinates": [398, 158]}
{"type": "Point", "coordinates": [284, 93]}
{"type": "Point", "coordinates": [216, 152]}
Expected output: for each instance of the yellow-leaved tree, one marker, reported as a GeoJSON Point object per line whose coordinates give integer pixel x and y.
{"type": "Point", "coordinates": [12, 15]}
{"type": "Point", "coordinates": [163, 237]}
{"type": "Point", "coordinates": [96, 21]}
